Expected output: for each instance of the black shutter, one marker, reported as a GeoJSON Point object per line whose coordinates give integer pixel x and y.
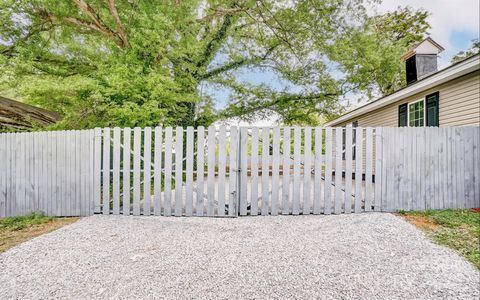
{"type": "Point", "coordinates": [432, 106]}
{"type": "Point", "coordinates": [402, 115]}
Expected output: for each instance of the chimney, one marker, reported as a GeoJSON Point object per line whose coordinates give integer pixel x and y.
{"type": "Point", "coordinates": [421, 60]}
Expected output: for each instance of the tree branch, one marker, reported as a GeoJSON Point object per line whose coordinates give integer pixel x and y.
{"type": "Point", "coordinates": [8, 50]}
{"type": "Point", "coordinates": [116, 17]}
{"type": "Point", "coordinates": [215, 43]}
{"type": "Point", "coordinates": [80, 23]}
{"type": "Point", "coordinates": [221, 12]}
{"type": "Point", "coordinates": [99, 24]}
{"type": "Point", "coordinates": [237, 64]}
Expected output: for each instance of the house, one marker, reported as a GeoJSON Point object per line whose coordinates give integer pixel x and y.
{"type": "Point", "coordinates": [449, 97]}
{"type": "Point", "coordinates": [18, 115]}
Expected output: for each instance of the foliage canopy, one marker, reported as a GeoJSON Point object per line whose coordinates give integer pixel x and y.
{"type": "Point", "coordinates": [143, 63]}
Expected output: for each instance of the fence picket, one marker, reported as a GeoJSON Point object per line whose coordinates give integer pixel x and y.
{"type": "Point", "coordinates": [410, 158]}
{"type": "Point", "coordinates": [13, 177]}
{"type": "Point", "coordinates": [348, 169]}
{"type": "Point", "coordinates": [20, 163]}
{"type": "Point", "coordinates": [338, 170]}
{"type": "Point", "coordinates": [77, 175]}
{"type": "Point", "coordinates": [167, 195]}
{"type": "Point", "coordinates": [147, 167]}
{"type": "Point", "coordinates": [476, 159]}
{"type": "Point", "coordinates": [413, 165]}
{"type": "Point", "coordinates": [211, 171]}
{"type": "Point", "coordinates": [116, 171]}
{"type": "Point", "coordinates": [435, 171]}
{"type": "Point", "coordinates": [243, 171]}
{"type": "Point", "coordinates": [459, 192]}
{"type": "Point", "coordinates": [468, 172]}
{"type": "Point", "coordinates": [179, 171]}
{"type": "Point", "coordinates": [422, 157]}
{"type": "Point", "coordinates": [69, 181]}
{"type": "Point", "coordinates": [286, 171]}
{"type": "Point", "coordinates": [401, 168]}
{"type": "Point", "coordinates": [3, 175]}
{"type": "Point", "coordinates": [189, 172]}
{"type": "Point", "coordinates": [157, 171]}
{"type": "Point", "coordinates": [368, 169]}
{"type": "Point", "coordinates": [126, 171]}
{"type": "Point", "coordinates": [232, 174]}
{"type": "Point", "coordinates": [328, 171]}
{"type": "Point", "coordinates": [28, 199]}
{"type": "Point", "coordinates": [445, 170]}
{"type": "Point", "coordinates": [440, 168]}
{"type": "Point", "coordinates": [222, 163]}
{"type": "Point", "coordinates": [297, 140]}
{"type": "Point", "coordinates": [85, 173]}
{"type": "Point", "coordinates": [317, 194]}
{"type": "Point", "coordinates": [254, 173]}
{"type": "Point", "coordinates": [59, 170]}
{"type": "Point", "coordinates": [136, 170]}
{"type": "Point", "coordinates": [265, 170]}
{"type": "Point", "coordinates": [90, 184]}
{"type": "Point", "coordinates": [307, 170]}
{"type": "Point", "coordinates": [96, 179]}
{"type": "Point", "coordinates": [378, 168]}
{"type": "Point", "coordinates": [106, 172]}
{"type": "Point", "coordinates": [452, 165]}
{"type": "Point", "coordinates": [21, 186]}
{"type": "Point", "coordinates": [97, 150]}
{"type": "Point", "coordinates": [358, 168]}
{"type": "Point", "coordinates": [275, 169]}
{"type": "Point", "coordinates": [200, 171]}
{"type": "Point", "coordinates": [10, 181]}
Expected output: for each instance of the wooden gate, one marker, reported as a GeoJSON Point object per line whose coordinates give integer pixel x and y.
{"type": "Point", "coordinates": [307, 171]}
{"type": "Point", "coordinates": [166, 171]}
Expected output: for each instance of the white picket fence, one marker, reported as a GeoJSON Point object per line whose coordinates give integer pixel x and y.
{"type": "Point", "coordinates": [238, 171]}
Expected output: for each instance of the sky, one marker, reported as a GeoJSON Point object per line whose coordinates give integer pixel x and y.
{"type": "Point", "coordinates": [455, 23]}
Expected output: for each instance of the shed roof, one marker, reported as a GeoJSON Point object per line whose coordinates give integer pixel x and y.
{"type": "Point", "coordinates": [20, 115]}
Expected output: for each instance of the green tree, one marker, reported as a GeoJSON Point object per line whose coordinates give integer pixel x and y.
{"type": "Point", "coordinates": [139, 63]}
{"type": "Point", "coordinates": [369, 54]}
{"type": "Point", "coordinates": [474, 49]}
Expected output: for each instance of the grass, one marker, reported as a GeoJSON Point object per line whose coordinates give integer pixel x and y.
{"type": "Point", "coordinates": [16, 230]}
{"type": "Point", "coordinates": [458, 229]}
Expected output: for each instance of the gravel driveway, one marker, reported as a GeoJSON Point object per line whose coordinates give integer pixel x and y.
{"type": "Point", "coordinates": [368, 256]}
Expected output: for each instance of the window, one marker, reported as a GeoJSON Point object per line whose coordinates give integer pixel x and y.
{"type": "Point", "coordinates": [416, 114]}
{"type": "Point", "coordinates": [424, 112]}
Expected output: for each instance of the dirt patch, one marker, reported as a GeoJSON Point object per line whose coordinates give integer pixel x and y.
{"type": "Point", "coordinates": [11, 238]}
{"type": "Point", "coordinates": [422, 222]}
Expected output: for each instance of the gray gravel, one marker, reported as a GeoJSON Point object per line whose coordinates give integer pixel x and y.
{"type": "Point", "coordinates": [367, 256]}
